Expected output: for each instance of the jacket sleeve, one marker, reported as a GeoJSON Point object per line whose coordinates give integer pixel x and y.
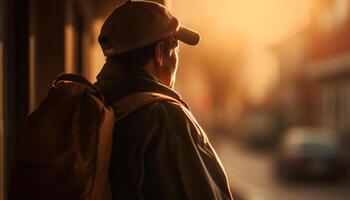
{"type": "Point", "coordinates": [187, 166]}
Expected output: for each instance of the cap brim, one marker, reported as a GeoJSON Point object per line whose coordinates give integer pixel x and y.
{"type": "Point", "coordinates": [188, 35]}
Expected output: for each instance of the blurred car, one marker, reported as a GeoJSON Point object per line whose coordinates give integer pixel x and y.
{"type": "Point", "coordinates": [260, 130]}
{"type": "Point", "coordinates": [311, 152]}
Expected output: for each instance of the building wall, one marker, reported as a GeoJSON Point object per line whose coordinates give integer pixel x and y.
{"type": "Point", "coordinates": [15, 75]}
{"type": "Point", "coordinates": [330, 29]}
{"type": "Point", "coordinates": [1, 105]}
{"type": "Point", "coordinates": [293, 90]}
{"type": "Point", "coordinates": [48, 36]}
{"type": "Point", "coordinates": [335, 103]}
{"type": "Point", "coordinates": [60, 42]}
{"type": "Point", "coordinates": [329, 62]}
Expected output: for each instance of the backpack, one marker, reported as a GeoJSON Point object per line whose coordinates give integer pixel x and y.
{"type": "Point", "coordinates": [64, 149]}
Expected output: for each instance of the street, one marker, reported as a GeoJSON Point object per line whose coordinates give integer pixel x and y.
{"type": "Point", "coordinates": [251, 174]}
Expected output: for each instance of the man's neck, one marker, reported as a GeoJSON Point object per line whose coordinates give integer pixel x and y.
{"type": "Point", "coordinates": [151, 68]}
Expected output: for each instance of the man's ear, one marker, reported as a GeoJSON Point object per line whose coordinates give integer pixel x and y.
{"type": "Point", "coordinates": [159, 53]}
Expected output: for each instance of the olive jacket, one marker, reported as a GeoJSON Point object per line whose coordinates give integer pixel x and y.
{"type": "Point", "coordinates": [159, 151]}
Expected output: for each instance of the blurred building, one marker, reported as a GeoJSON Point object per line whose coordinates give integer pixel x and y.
{"type": "Point", "coordinates": [40, 39]}
{"type": "Point", "coordinates": [329, 61]}
{"type": "Point", "coordinates": [315, 68]}
{"type": "Point", "coordinates": [292, 58]}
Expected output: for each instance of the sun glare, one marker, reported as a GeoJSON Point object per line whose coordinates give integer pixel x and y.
{"type": "Point", "coordinates": [261, 22]}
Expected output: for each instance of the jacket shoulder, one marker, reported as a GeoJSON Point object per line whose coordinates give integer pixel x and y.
{"type": "Point", "coordinates": [171, 120]}
{"type": "Point", "coordinates": [168, 110]}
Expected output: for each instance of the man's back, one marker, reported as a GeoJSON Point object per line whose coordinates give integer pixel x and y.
{"type": "Point", "coordinates": [160, 151]}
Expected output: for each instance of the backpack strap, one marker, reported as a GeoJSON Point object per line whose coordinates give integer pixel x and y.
{"type": "Point", "coordinates": [66, 78]}
{"type": "Point", "coordinates": [135, 101]}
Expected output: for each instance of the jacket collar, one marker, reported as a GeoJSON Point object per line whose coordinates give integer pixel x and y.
{"type": "Point", "coordinates": [116, 84]}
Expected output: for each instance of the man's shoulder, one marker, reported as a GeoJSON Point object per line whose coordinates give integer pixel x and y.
{"type": "Point", "coordinates": [160, 110]}
{"type": "Point", "coordinates": [160, 113]}
{"type": "Point", "coordinates": [173, 115]}
{"type": "Point", "coordinates": [166, 107]}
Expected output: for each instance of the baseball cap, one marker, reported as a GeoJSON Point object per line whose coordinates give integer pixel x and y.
{"type": "Point", "coordinates": [136, 24]}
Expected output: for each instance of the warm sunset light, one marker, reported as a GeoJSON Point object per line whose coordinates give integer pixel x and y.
{"type": "Point", "coordinates": [249, 98]}
{"type": "Point", "coordinates": [259, 23]}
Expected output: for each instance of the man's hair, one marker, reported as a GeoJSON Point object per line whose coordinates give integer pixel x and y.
{"type": "Point", "coordinates": [135, 58]}
{"type": "Point", "coordinates": [139, 57]}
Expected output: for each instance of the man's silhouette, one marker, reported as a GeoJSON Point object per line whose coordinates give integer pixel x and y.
{"type": "Point", "coordinates": [159, 151]}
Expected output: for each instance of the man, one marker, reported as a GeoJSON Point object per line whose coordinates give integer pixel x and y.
{"type": "Point", "coordinates": [159, 151]}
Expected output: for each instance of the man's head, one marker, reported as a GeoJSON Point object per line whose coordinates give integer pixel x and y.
{"type": "Point", "coordinates": [159, 59]}
{"type": "Point", "coordinates": [143, 34]}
